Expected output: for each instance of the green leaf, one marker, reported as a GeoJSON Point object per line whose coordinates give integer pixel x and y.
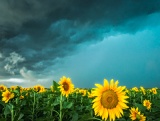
{"type": "Point", "coordinates": [23, 103]}
{"type": "Point", "coordinates": [87, 117]}
{"type": "Point", "coordinates": [156, 103]}
{"type": "Point", "coordinates": [16, 91]}
{"type": "Point", "coordinates": [67, 105]}
{"type": "Point", "coordinates": [55, 85]}
{"type": "Point", "coordinates": [74, 116]}
{"type": "Point", "coordinates": [140, 107]}
{"type": "Point", "coordinates": [56, 102]}
{"type": "Point", "coordinates": [20, 116]}
{"type": "Point", "coordinates": [7, 110]}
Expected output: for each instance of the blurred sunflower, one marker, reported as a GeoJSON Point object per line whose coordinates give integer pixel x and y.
{"type": "Point", "coordinates": [13, 88]}
{"type": "Point", "coordinates": [66, 86]}
{"type": "Point", "coordinates": [136, 115]}
{"type": "Point", "coordinates": [147, 104]}
{"type": "Point", "coordinates": [7, 95]}
{"type": "Point", "coordinates": [143, 90]}
{"type": "Point", "coordinates": [90, 94]}
{"type": "Point", "coordinates": [135, 89]}
{"type": "Point", "coordinates": [154, 90]}
{"type": "Point", "coordinates": [110, 100]}
{"type": "Point", "coordinates": [39, 88]}
{"type": "Point", "coordinates": [52, 88]}
{"type": "Point", "coordinates": [3, 88]}
{"type": "Point", "coordinates": [83, 92]}
{"type": "Point", "coordinates": [21, 97]}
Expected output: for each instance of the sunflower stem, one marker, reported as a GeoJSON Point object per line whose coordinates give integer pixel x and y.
{"type": "Point", "coordinates": [141, 99]}
{"type": "Point", "coordinates": [81, 102]}
{"type": "Point", "coordinates": [34, 99]}
{"type": "Point", "coordinates": [12, 113]}
{"type": "Point", "coordinates": [60, 114]}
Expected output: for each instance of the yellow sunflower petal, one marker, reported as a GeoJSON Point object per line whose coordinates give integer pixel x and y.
{"type": "Point", "coordinates": [106, 84]}
{"type": "Point", "coordinates": [111, 84]}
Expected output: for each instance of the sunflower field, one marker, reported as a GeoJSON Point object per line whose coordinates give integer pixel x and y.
{"type": "Point", "coordinates": [63, 102]}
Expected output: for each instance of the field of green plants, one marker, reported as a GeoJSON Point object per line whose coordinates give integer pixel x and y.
{"type": "Point", "coordinates": [53, 104]}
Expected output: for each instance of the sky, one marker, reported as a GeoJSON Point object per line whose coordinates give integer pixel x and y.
{"type": "Point", "coordinates": [87, 41]}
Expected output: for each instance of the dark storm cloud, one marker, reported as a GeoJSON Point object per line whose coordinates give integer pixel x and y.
{"type": "Point", "coordinates": [34, 17]}
{"type": "Point", "coordinates": [43, 31]}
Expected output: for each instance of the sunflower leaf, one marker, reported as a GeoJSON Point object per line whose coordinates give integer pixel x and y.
{"type": "Point", "coordinates": [20, 116]}
{"type": "Point", "coordinates": [55, 85]}
{"type": "Point", "coordinates": [140, 107]}
{"type": "Point", "coordinates": [67, 105]}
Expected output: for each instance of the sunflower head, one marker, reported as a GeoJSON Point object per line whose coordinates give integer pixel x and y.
{"type": "Point", "coordinates": [83, 92]}
{"type": "Point", "coordinates": [13, 88]}
{"type": "Point", "coordinates": [154, 90]}
{"type": "Point", "coordinates": [7, 95]}
{"type": "Point", "coordinates": [135, 89]}
{"type": "Point", "coordinates": [39, 88]}
{"type": "Point", "coordinates": [147, 104]}
{"type": "Point", "coordinates": [110, 100]}
{"type": "Point", "coordinates": [66, 86]}
{"type": "Point", "coordinates": [21, 97]}
{"type": "Point", "coordinates": [3, 88]}
{"type": "Point", "coordinates": [136, 115]}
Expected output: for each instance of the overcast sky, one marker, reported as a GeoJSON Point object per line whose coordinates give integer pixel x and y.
{"type": "Point", "coordinates": [43, 40]}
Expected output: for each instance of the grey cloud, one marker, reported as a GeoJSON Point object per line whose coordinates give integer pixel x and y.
{"type": "Point", "coordinates": [12, 62]}
{"type": "Point", "coordinates": [27, 74]}
{"type": "Point", "coordinates": [14, 58]}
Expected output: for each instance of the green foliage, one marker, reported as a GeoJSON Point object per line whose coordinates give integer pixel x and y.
{"type": "Point", "coordinates": [45, 106]}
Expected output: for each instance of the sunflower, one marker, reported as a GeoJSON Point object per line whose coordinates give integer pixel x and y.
{"type": "Point", "coordinates": [39, 88]}
{"type": "Point", "coordinates": [52, 88]}
{"type": "Point", "coordinates": [154, 90]}
{"type": "Point", "coordinates": [21, 97]}
{"type": "Point", "coordinates": [147, 104]}
{"type": "Point", "coordinates": [135, 89]}
{"type": "Point", "coordinates": [110, 100]}
{"type": "Point", "coordinates": [83, 92]}
{"type": "Point", "coordinates": [66, 86]}
{"type": "Point", "coordinates": [143, 90]}
{"type": "Point", "coordinates": [7, 96]}
{"type": "Point", "coordinates": [3, 88]}
{"type": "Point", "coordinates": [13, 88]}
{"type": "Point", "coordinates": [136, 115]}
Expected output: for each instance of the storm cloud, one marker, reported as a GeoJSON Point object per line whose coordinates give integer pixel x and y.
{"type": "Point", "coordinates": [38, 38]}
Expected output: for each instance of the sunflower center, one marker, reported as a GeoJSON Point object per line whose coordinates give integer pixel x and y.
{"type": "Point", "coordinates": [65, 86]}
{"type": "Point", "coordinates": [8, 95]}
{"type": "Point", "coordinates": [109, 99]}
{"type": "Point", "coordinates": [38, 89]}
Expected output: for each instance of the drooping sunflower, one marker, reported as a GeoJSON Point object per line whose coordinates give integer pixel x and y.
{"type": "Point", "coordinates": [136, 115]}
{"type": "Point", "coordinates": [110, 100]}
{"type": "Point", "coordinates": [66, 86]}
{"type": "Point", "coordinates": [7, 95]}
{"type": "Point", "coordinates": [147, 104]}
{"type": "Point", "coordinates": [143, 90]}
